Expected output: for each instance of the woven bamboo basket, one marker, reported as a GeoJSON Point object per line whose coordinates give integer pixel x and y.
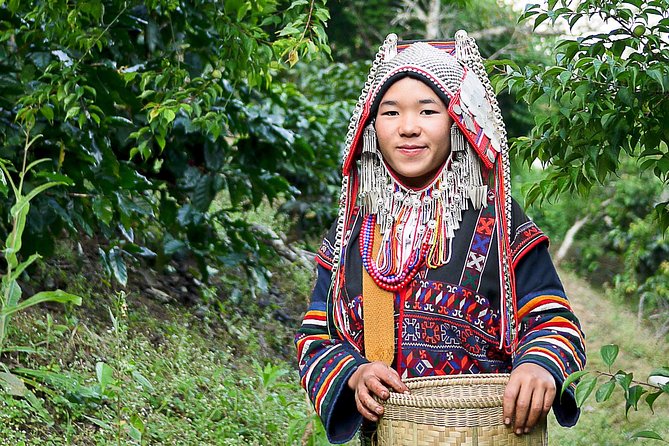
{"type": "Point", "coordinates": [464, 410]}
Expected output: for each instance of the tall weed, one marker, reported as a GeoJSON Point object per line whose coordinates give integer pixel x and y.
{"type": "Point", "coordinates": [11, 301]}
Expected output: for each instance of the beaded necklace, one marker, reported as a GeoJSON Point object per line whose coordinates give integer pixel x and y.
{"type": "Point", "coordinates": [387, 281]}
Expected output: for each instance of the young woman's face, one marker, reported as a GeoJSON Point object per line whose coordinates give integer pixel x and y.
{"type": "Point", "coordinates": [413, 129]}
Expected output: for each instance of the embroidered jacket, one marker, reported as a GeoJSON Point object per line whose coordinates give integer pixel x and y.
{"type": "Point", "coordinates": [446, 320]}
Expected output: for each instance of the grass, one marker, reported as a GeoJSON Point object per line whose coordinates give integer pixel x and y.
{"type": "Point", "coordinates": [172, 378]}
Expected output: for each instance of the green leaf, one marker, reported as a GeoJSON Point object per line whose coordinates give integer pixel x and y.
{"type": "Point", "coordinates": [105, 375]}
{"type": "Point", "coordinates": [38, 407]}
{"type": "Point", "coordinates": [47, 112]}
{"type": "Point", "coordinates": [583, 390]}
{"type": "Point", "coordinates": [59, 296]}
{"type": "Point", "coordinates": [22, 266]}
{"type": "Point", "coordinates": [657, 75]}
{"type": "Point", "coordinates": [647, 434]}
{"type": "Point", "coordinates": [168, 115]}
{"type": "Point", "coordinates": [539, 20]}
{"type": "Point", "coordinates": [12, 384]}
{"type": "Point", "coordinates": [624, 379]}
{"type": "Point", "coordinates": [572, 378]}
{"type": "Point", "coordinates": [72, 112]}
{"type": "Point", "coordinates": [141, 379]}
{"type": "Point", "coordinates": [609, 354]}
{"type": "Point", "coordinates": [98, 422]}
{"type": "Point", "coordinates": [633, 396]}
{"type": "Point", "coordinates": [661, 371]}
{"type": "Point", "coordinates": [38, 190]}
{"type": "Point", "coordinates": [12, 291]}
{"type": "Point", "coordinates": [650, 399]}
{"type": "Point", "coordinates": [102, 207]}
{"type": "Point", "coordinates": [15, 238]}
{"type": "Point", "coordinates": [22, 349]}
{"type": "Point", "coordinates": [117, 265]}
{"type": "Point", "coordinates": [605, 390]}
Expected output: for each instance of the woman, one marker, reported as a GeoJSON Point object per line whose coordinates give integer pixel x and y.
{"type": "Point", "coordinates": [431, 268]}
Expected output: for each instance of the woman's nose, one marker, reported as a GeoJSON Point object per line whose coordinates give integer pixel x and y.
{"type": "Point", "coordinates": [409, 126]}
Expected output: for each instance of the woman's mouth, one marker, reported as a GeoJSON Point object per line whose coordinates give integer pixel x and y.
{"type": "Point", "coordinates": [410, 150]}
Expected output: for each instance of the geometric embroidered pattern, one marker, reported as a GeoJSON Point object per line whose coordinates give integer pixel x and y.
{"type": "Point", "coordinates": [479, 246]}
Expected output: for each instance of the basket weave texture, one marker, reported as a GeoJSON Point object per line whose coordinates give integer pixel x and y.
{"type": "Point", "coordinates": [464, 410]}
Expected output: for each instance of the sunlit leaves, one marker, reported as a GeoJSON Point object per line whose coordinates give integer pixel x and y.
{"type": "Point", "coordinates": [603, 96]}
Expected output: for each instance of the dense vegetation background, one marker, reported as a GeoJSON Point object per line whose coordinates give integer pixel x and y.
{"type": "Point", "coordinates": [173, 163]}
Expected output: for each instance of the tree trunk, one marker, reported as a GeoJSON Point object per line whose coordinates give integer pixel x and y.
{"type": "Point", "coordinates": [433, 20]}
{"type": "Point", "coordinates": [569, 239]}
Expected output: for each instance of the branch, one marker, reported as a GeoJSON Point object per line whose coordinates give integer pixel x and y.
{"type": "Point", "coordinates": [569, 239]}
{"type": "Point", "coordinates": [611, 375]}
{"type": "Point", "coordinates": [284, 249]}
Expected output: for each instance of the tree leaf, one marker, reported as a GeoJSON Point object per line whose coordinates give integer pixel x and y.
{"type": "Point", "coordinates": [661, 371]}
{"type": "Point", "coordinates": [102, 207]}
{"type": "Point", "coordinates": [98, 422]}
{"type": "Point", "coordinates": [624, 379]}
{"type": "Point", "coordinates": [572, 378]}
{"type": "Point", "coordinates": [647, 434]}
{"type": "Point", "coordinates": [609, 354]}
{"type": "Point", "coordinates": [605, 390]}
{"type": "Point", "coordinates": [633, 396]}
{"type": "Point", "coordinates": [117, 265]}
{"type": "Point", "coordinates": [583, 390]}
{"type": "Point", "coordinates": [650, 399]}
{"type": "Point", "coordinates": [12, 384]}
{"type": "Point", "coordinates": [141, 379]}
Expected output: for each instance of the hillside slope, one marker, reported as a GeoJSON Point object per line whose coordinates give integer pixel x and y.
{"type": "Point", "coordinates": [607, 322]}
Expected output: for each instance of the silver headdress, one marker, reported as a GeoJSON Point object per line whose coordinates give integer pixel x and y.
{"type": "Point", "coordinates": [478, 157]}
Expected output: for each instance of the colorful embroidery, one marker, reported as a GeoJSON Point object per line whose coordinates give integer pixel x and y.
{"type": "Point", "coordinates": [527, 236]}
{"type": "Point", "coordinates": [446, 329]}
{"type": "Point", "coordinates": [479, 246]}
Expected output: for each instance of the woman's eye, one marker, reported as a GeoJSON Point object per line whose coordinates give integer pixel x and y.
{"type": "Point", "coordinates": [430, 112]}
{"type": "Point", "coordinates": [390, 113]}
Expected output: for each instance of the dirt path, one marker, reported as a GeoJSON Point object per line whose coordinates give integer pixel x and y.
{"type": "Point", "coordinates": [605, 321]}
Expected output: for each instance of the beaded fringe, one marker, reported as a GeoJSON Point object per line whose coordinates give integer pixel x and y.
{"type": "Point", "coordinates": [438, 206]}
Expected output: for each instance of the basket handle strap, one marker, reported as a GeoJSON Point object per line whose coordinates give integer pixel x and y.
{"type": "Point", "coordinates": [378, 314]}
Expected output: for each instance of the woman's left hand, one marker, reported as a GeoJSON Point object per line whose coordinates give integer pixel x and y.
{"type": "Point", "coordinates": [528, 397]}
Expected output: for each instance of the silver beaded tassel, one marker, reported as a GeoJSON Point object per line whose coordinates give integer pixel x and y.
{"type": "Point", "coordinates": [370, 168]}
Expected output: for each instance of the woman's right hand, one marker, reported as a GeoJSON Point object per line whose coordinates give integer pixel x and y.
{"type": "Point", "coordinates": [374, 378]}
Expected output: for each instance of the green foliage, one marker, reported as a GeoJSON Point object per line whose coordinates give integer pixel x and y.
{"type": "Point", "coordinates": [620, 244]}
{"type": "Point", "coordinates": [604, 96]}
{"type": "Point", "coordinates": [168, 375]}
{"type": "Point", "coordinates": [155, 108]}
{"type": "Point", "coordinates": [633, 391]}
{"type": "Point", "coordinates": [10, 290]}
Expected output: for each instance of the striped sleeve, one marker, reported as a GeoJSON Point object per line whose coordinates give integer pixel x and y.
{"type": "Point", "coordinates": [325, 254]}
{"type": "Point", "coordinates": [550, 333]}
{"type": "Point", "coordinates": [326, 363]}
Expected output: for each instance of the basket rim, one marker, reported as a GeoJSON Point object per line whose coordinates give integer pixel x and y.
{"type": "Point", "coordinates": [451, 401]}
{"type": "Point", "coordinates": [455, 380]}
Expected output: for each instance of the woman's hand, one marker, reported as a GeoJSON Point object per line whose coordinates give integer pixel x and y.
{"type": "Point", "coordinates": [528, 396]}
{"type": "Point", "coordinates": [374, 378]}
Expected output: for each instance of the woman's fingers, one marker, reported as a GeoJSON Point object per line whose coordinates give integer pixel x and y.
{"type": "Point", "coordinates": [374, 379]}
{"type": "Point", "coordinates": [367, 405]}
{"type": "Point", "coordinates": [392, 379]}
{"type": "Point", "coordinates": [523, 405]}
{"type": "Point", "coordinates": [528, 397]}
{"type": "Point", "coordinates": [536, 409]}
